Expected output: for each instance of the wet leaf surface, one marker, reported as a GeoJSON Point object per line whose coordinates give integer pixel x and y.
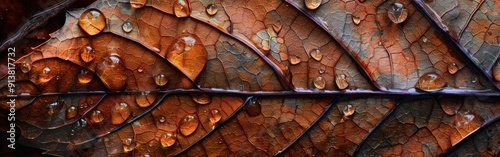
{"type": "Point", "coordinates": [280, 78]}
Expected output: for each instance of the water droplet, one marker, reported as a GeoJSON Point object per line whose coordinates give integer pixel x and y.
{"type": "Point", "coordinates": [277, 27]}
{"type": "Point", "coordinates": [319, 83]}
{"type": "Point", "coordinates": [294, 60]}
{"type": "Point", "coordinates": [253, 108]}
{"type": "Point", "coordinates": [137, 3]}
{"type": "Point", "coordinates": [450, 106]}
{"type": "Point", "coordinates": [474, 80]}
{"type": "Point", "coordinates": [202, 99]}
{"type": "Point", "coordinates": [452, 68]}
{"type": "Point", "coordinates": [153, 144]}
{"type": "Point", "coordinates": [430, 82]}
{"type": "Point", "coordinates": [76, 131]}
{"type": "Point", "coordinates": [212, 9]}
{"type": "Point", "coordinates": [45, 75]}
{"type": "Point", "coordinates": [71, 112]}
{"type": "Point", "coordinates": [161, 80]}
{"type": "Point", "coordinates": [168, 139]}
{"type": "Point", "coordinates": [87, 54]}
{"type": "Point", "coordinates": [397, 13]}
{"type": "Point", "coordinates": [128, 145]}
{"type": "Point", "coordinates": [496, 71]}
{"type": "Point", "coordinates": [348, 110]}
{"type": "Point", "coordinates": [188, 124]}
{"type": "Point", "coordinates": [356, 19]}
{"type": "Point", "coordinates": [96, 116]}
{"type": "Point", "coordinates": [362, 1]}
{"type": "Point", "coordinates": [342, 81]}
{"type": "Point", "coordinates": [120, 113]}
{"type": "Point", "coordinates": [112, 72]}
{"type": "Point", "coordinates": [146, 98]}
{"type": "Point", "coordinates": [312, 4]}
{"type": "Point", "coordinates": [26, 67]}
{"type": "Point", "coordinates": [127, 26]}
{"type": "Point", "coordinates": [92, 21]}
{"type": "Point", "coordinates": [462, 119]}
{"type": "Point", "coordinates": [162, 119]}
{"type": "Point", "coordinates": [140, 69]}
{"type": "Point", "coordinates": [322, 69]}
{"type": "Point", "coordinates": [215, 116]}
{"type": "Point", "coordinates": [316, 55]}
{"type": "Point", "coordinates": [53, 107]}
{"type": "Point", "coordinates": [181, 8]}
{"type": "Point", "coordinates": [425, 40]}
{"type": "Point", "coordinates": [188, 54]}
{"type": "Point", "coordinates": [85, 76]}
{"type": "Point", "coordinates": [83, 105]}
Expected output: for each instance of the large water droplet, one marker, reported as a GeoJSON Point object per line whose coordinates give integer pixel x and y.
{"type": "Point", "coordinates": [128, 145]}
{"type": "Point", "coordinates": [312, 4]}
{"type": "Point", "coordinates": [96, 116]}
{"type": "Point", "coordinates": [253, 108]}
{"type": "Point", "coordinates": [215, 116]}
{"type": "Point", "coordinates": [92, 21]}
{"type": "Point", "coordinates": [450, 106]}
{"type": "Point", "coordinates": [452, 68]}
{"type": "Point", "coordinates": [112, 72]}
{"type": "Point", "coordinates": [212, 9]}
{"type": "Point", "coordinates": [137, 3]}
{"type": "Point", "coordinates": [87, 54]}
{"type": "Point", "coordinates": [127, 26]}
{"type": "Point", "coordinates": [319, 82]}
{"type": "Point", "coordinates": [71, 112]}
{"type": "Point", "coordinates": [188, 54]}
{"type": "Point", "coordinates": [463, 118]}
{"type": "Point", "coordinates": [294, 60]}
{"type": "Point", "coordinates": [188, 124]}
{"type": "Point", "coordinates": [168, 139]}
{"type": "Point", "coordinates": [348, 110]}
{"type": "Point", "coordinates": [397, 12]}
{"type": "Point", "coordinates": [201, 99]}
{"type": "Point", "coordinates": [85, 76]}
{"type": "Point", "coordinates": [161, 80]}
{"type": "Point", "coordinates": [45, 76]}
{"type": "Point", "coordinates": [26, 67]}
{"type": "Point", "coordinates": [316, 55]}
{"type": "Point", "coordinates": [181, 8]}
{"type": "Point", "coordinates": [120, 113]}
{"type": "Point", "coordinates": [146, 98]}
{"type": "Point", "coordinates": [342, 81]}
{"type": "Point", "coordinates": [496, 71]}
{"type": "Point", "coordinates": [430, 82]}
{"type": "Point", "coordinates": [356, 19]}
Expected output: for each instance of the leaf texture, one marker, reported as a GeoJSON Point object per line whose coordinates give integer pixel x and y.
{"type": "Point", "coordinates": [254, 78]}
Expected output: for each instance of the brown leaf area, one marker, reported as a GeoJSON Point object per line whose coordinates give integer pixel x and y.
{"type": "Point", "coordinates": [255, 78]}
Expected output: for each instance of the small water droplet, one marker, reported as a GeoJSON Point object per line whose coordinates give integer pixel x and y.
{"type": "Point", "coordinates": [161, 80]}
{"type": "Point", "coordinates": [87, 54]}
{"type": "Point", "coordinates": [83, 105]}
{"type": "Point", "coordinates": [450, 106]}
{"type": "Point", "coordinates": [253, 108]}
{"type": "Point", "coordinates": [452, 68]}
{"type": "Point", "coordinates": [319, 83]}
{"type": "Point", "coordinates": [430, 82]}
{"type": "Point", "coordinates": [322, 69]}
{"type": "Point", "coordinates": [96, 116]}
{"type": "Point", "coordinates": [356, 19]}
{"type": "Point", "coordinates": [361, 1]}
{"type": "Point", "coordinates": [168, 139]}
{"type": "Point", "coordinates": [212, 9]}
{"type": "Point", "coordinates": [181, 8]}
{"type": "Point", "coordinates": [137, 3]}
{"type": "Point", "coordinates": [153, 144]}
{"type": "Point", "coordinates": [92, 21]}
{"type": "Point", "coordinates": [425, 40]}
{"type": "Point", "coordinates": [294, 60]}
{"type": "Point", "coordinates": [316, 55]}
{"type": "Point", "coordinates": [474, 80]}
{"type": "Point", "coordinates": [71, 112]}
{"type": "Point", "coordinates": [188, 124]}
{"type": "Point", "coordinates": [496, 71]}
{"type": "Point", "coordinates": [202, 99]}
{"type": "Point", "coordinates": [312, 4]}
{"type": "Point", "coordinates": [162, 119]}
{"type": "Point", "coordinates": [53, 107]}
{"type": "Point", "coordinates": [348, 110]}
{"type": "Point", "coordinates": [215, 116]}
{"type": "Point", "coordinates": [85, 76]}
{"type": "Point", "coordinates": [112, 72]}
{"type": "Point", "coordinates": [145, 99]}
{"type": "Point", "coordinates": [26, 67]}
{"type": "Point", "coordinates": [342, 81]}
{"type": "Point", "coordinates": [76, 130]}
{"type": "Point", "coordinates": [128, 145]}
{"type": "Point", "coordinates": [277, 28]}
{"type": "Point", "coordinates": [397, 12]}
{"type": "Point", "coordinates": [140, 69]}
{"type": "Point", "coordinates": [120, 113]}
{"type": "Point", "coordinates": [127, 26]}
{"type": "Point", "coordinates": [45, 75]}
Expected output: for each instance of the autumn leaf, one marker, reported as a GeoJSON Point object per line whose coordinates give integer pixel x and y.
{"type": "Point", "coordinates": [274, 78]}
